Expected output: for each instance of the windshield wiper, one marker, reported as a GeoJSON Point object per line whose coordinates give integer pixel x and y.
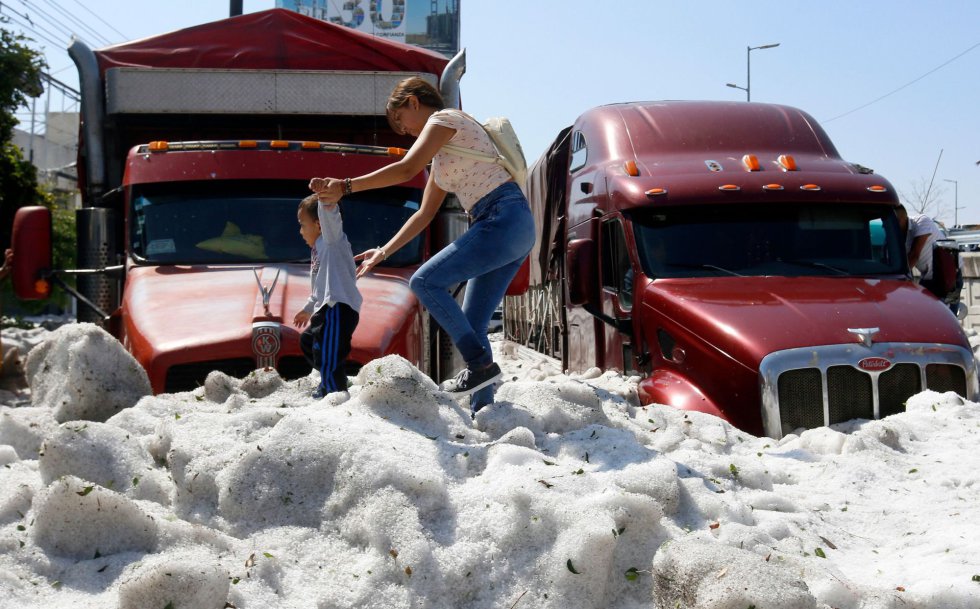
{"type": "Point", "coordinates": [814, 265]}
{"type": "Point", "coordinates": [709, 267]}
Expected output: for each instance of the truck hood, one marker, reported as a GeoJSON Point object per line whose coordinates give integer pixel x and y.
{"type": "Point", "coordinates": [179, 308]}
{"type": "Point", "coordinates": [749, 317]}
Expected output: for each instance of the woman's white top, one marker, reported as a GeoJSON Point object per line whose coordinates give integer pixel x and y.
{"type": "Point", "coordinates": [470, 179]}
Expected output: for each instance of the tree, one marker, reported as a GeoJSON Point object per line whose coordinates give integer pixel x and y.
{"type": "Point", "coordinates": [21, 70]}
{"type": "Point", "coordinates": [921, 199]}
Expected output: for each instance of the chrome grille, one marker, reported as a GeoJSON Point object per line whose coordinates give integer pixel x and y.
{"type": "Point", "coordinates": [850, 394]}
{"type": "Point", "coordinates": [801, 398]}
{"type": "Point", "coordinates": [807, 388]}
{"type": "Point", "coordinates": [945, 378]}
{"type": "Point", "coordinates": [897, 385]}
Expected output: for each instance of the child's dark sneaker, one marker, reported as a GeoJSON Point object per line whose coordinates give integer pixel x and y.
{"type": "Point", "coordinates": [319, 393]}
{"type": "Point", "coordinates": [468, 381]}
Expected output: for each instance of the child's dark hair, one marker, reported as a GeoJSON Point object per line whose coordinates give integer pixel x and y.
{"type": "Point", "coordinates": [308, 205]}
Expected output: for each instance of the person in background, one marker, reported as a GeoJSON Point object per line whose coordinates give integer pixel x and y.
{"type": "Point", "coordinates": [921, 234]}
{"type": "Point", "coordinates": [333, 308]}
{"type": "Point", "coordinates": [8, 264]}
{"type": "Point", "coordinates": [487, 256]}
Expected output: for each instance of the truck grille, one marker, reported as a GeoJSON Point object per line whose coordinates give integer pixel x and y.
{"type": "Point", "coordinates": [186, 377]}
{"type": "Point", "coordinates": [807, 388]}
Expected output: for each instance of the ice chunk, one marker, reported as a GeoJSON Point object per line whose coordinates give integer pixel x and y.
{"type": "Point", "coordinates": [82, 373]}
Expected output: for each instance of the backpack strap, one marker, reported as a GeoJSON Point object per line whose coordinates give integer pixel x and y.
{"type": "Point", "coordinates": [473, 154]}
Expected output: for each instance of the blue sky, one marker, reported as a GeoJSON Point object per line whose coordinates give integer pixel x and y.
{"type": "Point", "coordinates": [895, 83]}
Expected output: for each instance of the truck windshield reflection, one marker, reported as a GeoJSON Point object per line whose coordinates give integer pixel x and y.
{"type": "Point", "coordinates": [208, 225]}
{"type": "Point", "coordinates": [769, 240]}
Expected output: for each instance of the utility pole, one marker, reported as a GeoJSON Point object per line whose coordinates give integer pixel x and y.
{"type": "Point", "coordinates": [748, 70]}
{"type": "Point", "coordinates": [956, 201]}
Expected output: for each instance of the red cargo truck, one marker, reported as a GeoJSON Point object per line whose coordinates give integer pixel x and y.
{"type": "Point", "coordinates": [195, 148]}
{"type": "Point", "coordinates": [728, 255]}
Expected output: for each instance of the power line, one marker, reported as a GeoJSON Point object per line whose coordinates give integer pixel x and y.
{"type": "Point", "coordinates": [28, 26]}
{"type": "Point", "coordinates": [908, 84]}
{"type": "Point", "coordinates": [53, 21]}
{"type": "Point", "coordinates": [107, 24]}
{"type": "Point", "coordinates": [41, 15]}
{"type": "Point", "coordinates": [96, 35]}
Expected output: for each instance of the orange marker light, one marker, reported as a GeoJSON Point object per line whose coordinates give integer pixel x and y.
{"type": "Point", "coordinates": [248, 144]}
{"type": "Point", "coordinates": [654, 192]}
{"type": "Point", "coordinates": [877, 188]}
{"type": "Point", "coordinates": [159, 146]}
{"type": "Point", "coordinates": [730, 187]}
{"type": "Point", "coordinates": [812, 187]}
{"type": "Point", "coordinates": [310, 145]}
{"type": "Point", "coordinates": [397, 152]}
{"type": "Point", "coordinates": [631, 168]}
{"type": "Point", "coordinates": [787, 162]}
{"type": "Point", "coordinates": [751, 162]}
{"type": "Point", "coordinates": [278, 144]}
{"type": "Point", "coordinates": [772, 187]}
{"type": "Point", "coordinates": [42, 286]}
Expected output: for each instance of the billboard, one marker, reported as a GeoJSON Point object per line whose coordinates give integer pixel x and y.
{"type": "Point", "coordinates": [432, 24]}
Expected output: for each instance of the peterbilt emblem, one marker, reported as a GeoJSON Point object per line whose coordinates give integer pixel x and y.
{"type": "Point", "coordinates": [874, 364]}
{"type": "Point", "coordinates": [864, 335]}
{"type": "Point", "coordinates": [265, 343]}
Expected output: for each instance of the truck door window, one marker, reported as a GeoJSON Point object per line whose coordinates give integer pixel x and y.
{"type": "Point", "coordinates": [617, 273]}
{"type": "Point", "coordinates": [579, 151]}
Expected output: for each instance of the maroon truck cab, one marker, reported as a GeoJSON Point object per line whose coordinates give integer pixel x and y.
{"type": "Point", "coordinates": [728, 255]}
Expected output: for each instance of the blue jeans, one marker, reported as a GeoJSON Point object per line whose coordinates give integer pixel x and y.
{"type": "Point", "coordinates": [488, 256]}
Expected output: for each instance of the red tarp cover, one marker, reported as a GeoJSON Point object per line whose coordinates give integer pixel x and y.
{"type": "Point", "coordinates": [276, 39]}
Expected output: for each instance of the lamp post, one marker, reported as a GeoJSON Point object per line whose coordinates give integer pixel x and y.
{"type": "Point", "coordinates": [748, 70]}
{"type": "Point", "coordinates": [956, 201]}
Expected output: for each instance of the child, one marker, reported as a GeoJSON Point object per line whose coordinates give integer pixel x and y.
{"type": "Point", "coordinates": [332, 310]}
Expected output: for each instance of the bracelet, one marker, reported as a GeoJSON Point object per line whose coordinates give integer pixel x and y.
{"type": "Point", "coordinates": [348, 189]}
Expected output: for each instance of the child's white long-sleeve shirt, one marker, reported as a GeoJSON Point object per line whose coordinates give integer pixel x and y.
{"type": "Point", "coordinates": [333, 274]}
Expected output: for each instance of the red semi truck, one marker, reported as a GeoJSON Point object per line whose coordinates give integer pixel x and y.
{"type": "Point", "coordinates": [728, 255]}
{"type": "Point", "coordinates": [195, 148]}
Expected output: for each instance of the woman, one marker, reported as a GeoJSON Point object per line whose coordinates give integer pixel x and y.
{"type": "Point", "coordinates": [487, 255]}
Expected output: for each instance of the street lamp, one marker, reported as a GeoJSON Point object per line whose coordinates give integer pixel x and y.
{"type": "Point", "coordinates": [956, 201]}
{"type": "Point", "coordinates": [748, 70]}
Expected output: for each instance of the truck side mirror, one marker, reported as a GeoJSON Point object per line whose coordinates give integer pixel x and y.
{"type": "Point", "coordinates": [31, 243]}
{"type": "Point", "coordinates": [945, 269]}
{"type": "Point", "coordinates": [580, 270]}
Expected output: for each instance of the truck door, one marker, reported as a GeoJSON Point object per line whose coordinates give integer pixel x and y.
{"type": "Point", "coordinates": [614, 335]}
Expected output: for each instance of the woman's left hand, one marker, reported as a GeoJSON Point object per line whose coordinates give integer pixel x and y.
{"type": "Point", "coordinates": [369, 259]}
{"type": "Point", "coordinates": [330, 190]}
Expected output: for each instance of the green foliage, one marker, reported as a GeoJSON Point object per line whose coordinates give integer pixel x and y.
{"type": "Point", "coordinates": [21, 68]}
{"type": "Point", "coordinates": [21, 72]}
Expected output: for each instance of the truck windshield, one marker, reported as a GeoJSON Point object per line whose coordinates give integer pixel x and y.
{"type": "Point", "coordinates": [761, 240]}
{"type": "Point", "coordinates": [193, 223]}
